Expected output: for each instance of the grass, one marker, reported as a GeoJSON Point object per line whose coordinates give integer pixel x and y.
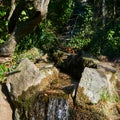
{"type": "Point", "coordinates": [105, 96]}
{"type": "Point", "coordinates": [5, 68]}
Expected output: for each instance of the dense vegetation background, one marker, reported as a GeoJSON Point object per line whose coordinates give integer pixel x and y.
{"type": "Point", "coordinates": [91, 25]}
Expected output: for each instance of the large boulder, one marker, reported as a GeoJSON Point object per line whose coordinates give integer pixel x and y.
{"type": "Point", "coordinates": [5, 108]}
{"type": "Point", "coordinates": [26, 82]}
{"type": "Point", "coordinates": [96, 82]}
{"type": "Point", "coordinates": [27, 75]}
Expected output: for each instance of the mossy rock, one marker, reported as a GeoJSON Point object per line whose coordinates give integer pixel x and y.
{"type": "Point", "coordinates": [36, 104]}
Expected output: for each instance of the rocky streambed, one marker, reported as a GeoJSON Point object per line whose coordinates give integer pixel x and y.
{"type": "Point", "coordinates": [41, 91]}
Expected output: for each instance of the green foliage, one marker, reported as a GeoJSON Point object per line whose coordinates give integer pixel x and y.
{"type": "Point", "coordinates": [31, 54]}
{"type": "Point", "coordinates": [3, 23]}
{"type": "Point", "coordinates": [47, 38]}
{"type": "Point", "coordinates": [60, 12]}
{"type": "Point", "coordinates": [79, 41]}
{"type": "Point", "coordinates": [24, 16]}
{"type": "Point", "coordinates": [84, 21]}
{"type": "Point", "coordinates": [83, 37]}
{"type": "Point", "coordinates": [26, 43]}
{"type": "Point", "coordinates": [42, 38]}
{"type": "Point", "coordinates": [106, 42]}
{"type": "Point", "coordinates": [26, 13]}
{"type": "Point", "coordinates": [112, 44]}
{"type": "Point", "coordinates": [105, 96]}
{"type": "Point", "coordinates": [3, 69]}
{"type": "Point", "coordinates": [1, 41]}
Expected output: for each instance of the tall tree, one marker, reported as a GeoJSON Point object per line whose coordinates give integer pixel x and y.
{"type": "Point", "coordinates": [103, 12]}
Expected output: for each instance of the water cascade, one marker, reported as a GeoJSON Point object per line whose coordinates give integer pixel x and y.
{"type": "Point", "coordinates": [58, 109]}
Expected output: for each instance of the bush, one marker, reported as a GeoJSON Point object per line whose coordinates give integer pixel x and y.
{"type": "Point", "coordinates": [42, 38]}
{"type": "Point", "coordinates": [112, 45]}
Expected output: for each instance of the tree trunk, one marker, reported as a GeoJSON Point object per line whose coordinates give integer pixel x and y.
{"type": "Point", "coordinates": [23, 28]}
{"type": "Point", "coordinates": [103, 13]}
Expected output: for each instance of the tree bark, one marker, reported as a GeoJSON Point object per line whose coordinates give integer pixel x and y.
{"type": "Point", "coordinates": [13, 5]}
{"type": "Point", "coordinates": [23, 28]}
{"type": "Point", "coordinates": [103, 12]}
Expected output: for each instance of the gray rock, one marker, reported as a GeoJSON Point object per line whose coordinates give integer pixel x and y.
{"type": "Point", "coordinates": [95, 82]}
{"type": "Point", "coordinates": [5, 109]}
{"type": "Point", "coordinates": [27, 75]}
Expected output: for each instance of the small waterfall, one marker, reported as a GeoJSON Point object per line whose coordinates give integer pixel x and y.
{"type": "Point", "coordinates": [57, 109]}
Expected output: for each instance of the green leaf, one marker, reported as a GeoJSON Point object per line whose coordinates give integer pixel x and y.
{"type": "Point", "coordinates": [1, 41]}
{"type": "Point", "coordinates": [23, 13]}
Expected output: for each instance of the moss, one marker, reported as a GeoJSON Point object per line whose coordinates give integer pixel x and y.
{"type": "Point", "coordinates": [84, 109]}
{"type": "Point", "coordinates": [26, 103]}
{"type": "Point", "coordinates": [89, 62]}
{"type": "Point", "coordinates": [23, 105]}
{"type": "Point", "coordinates": [85, 112]}
{"type": "Point", "coordinates": [81, 97]}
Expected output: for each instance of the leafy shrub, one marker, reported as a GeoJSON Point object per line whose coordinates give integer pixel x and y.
{"type": "Point", "coordinates": [60, 12]}
{"type": "Point", "coordinates": [83, 35]}
{"type": "Point", "coordinates": [42, 38]}
{"type": "Point", "coordinates": [112, 45]}
{"type": "Point", "coordinates": [3, 23]}
{"type": "Point", "coordinates": [80, 40]}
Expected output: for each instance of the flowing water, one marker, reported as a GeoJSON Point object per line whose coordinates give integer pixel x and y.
{"type": "Point", "coordinates": [58, 109]}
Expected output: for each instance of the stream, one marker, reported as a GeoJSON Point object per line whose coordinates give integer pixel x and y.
{"type": "Point", "coordinates": [58, 109]}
